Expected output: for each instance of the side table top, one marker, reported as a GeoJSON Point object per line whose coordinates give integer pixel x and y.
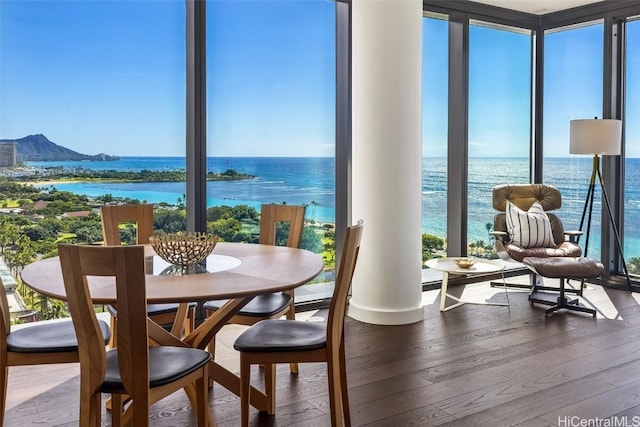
{"type": "Point", "coordinates": [481, 265]}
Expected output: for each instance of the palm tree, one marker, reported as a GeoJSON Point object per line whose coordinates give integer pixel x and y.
{"type": "Point", "coordinates": [313, 210]}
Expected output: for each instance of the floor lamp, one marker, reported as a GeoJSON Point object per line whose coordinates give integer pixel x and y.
{"type": "Point", "coordinates": [597, 137]}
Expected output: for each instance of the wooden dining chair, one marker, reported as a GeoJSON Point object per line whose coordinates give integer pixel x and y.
{"type": "Point", "coordinates": [133, 370]}
{"type": "Point", "coordinates": [141, 214]}
{"type": "Point", "coordinates": [275, 305]}
{"type": "Point", "coordinates": [283, 341]}
{"type": "Point", "coordinates": [40, 343]}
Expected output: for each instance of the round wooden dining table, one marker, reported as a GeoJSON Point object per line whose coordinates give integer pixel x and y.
{"type": "Point", "coordinates": [233, 271]}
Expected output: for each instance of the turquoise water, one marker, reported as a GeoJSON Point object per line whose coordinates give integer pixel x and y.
{"type": "Point", "coordinates": [311, 181]}
{"type": "Point", "coordinates": [299, 180]}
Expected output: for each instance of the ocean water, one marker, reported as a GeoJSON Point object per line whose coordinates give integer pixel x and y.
{"type": "Point", "coordinates": [311, 181]}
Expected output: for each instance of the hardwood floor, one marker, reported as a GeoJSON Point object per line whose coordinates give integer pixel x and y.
{"type": "Point", "coordinates": [472, 366]}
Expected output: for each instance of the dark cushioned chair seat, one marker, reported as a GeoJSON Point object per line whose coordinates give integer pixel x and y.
{"type": "Point", "coordinates": [278, 335]}
{"type": "Point", "coordinates": [261, 306]}
{"type": "Point", "coordinates": [49, 337]}
{"type": "Point", "coordinates": [154, 309]}
{"type": "Point", "coordinates": [166, 364]}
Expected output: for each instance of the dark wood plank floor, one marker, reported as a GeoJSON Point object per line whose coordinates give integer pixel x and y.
{"type": "Point", "coordinates": [472, 366]}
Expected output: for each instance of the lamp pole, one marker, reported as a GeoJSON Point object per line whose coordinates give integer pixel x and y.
{"type": "Point", "coordinates": [588, 205]}
{"type": "Point", "coordinates": [598, 137]}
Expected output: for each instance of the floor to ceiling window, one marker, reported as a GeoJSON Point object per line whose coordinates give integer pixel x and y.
{"type": "Point", "coordinates": [499, 122]}
{"type": "Point", "coordinates": [271, 116]}
{"type": "Point", "coordinates": [92, 112]}
{"type": "Point", "coordinates": [632, 148]}
{"type": "Point", "coordinates": [435, 77]}
{"type": "Point", "coordinates": [573, 87]}
{"type": "Point", "coordinates": [105, 82]}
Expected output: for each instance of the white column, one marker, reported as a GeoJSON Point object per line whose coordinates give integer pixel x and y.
{"type": "Point", "coordinates": [387, 160]}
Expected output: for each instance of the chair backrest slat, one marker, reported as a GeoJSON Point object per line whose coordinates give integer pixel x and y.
{"type": "Point", "coordinates": [271, 214]}
{"type": "Point", "coordinates": [337, 309]}
{"type": "Point", "coordinates": [126, 265]}
{"type": "Point", "coordinates": [112, 216]}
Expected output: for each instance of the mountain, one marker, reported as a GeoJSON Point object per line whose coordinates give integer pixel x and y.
{"type": "Point", "coordinates": [39, 148]}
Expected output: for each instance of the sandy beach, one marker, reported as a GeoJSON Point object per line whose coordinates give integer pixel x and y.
{"type": "Point", "coordinates": [48, 183]}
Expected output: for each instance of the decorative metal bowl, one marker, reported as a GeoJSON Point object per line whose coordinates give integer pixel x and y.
{"type": "Point", "coordinates": [464, 262]}
{"type": "Point", "coordinates": [183, 248]}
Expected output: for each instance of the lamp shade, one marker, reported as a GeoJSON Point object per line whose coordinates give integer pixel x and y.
{"type": "Point", "coordinates": [595, 136]}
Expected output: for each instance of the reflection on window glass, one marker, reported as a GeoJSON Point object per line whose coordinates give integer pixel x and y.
{"type": "Point", "coordinates": [572, 90]}
{"type": "Point", "coordinates": [499, 123]}
{"type": "Point", "coordinates": [435, 71]}
{"type": "Point", "coordinates": [632, 150]}
{"type": "Point", "coordinates": [271, 116]}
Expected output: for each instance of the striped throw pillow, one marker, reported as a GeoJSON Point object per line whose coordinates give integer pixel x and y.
{"type": "Point", "coordinates": [530, 229]}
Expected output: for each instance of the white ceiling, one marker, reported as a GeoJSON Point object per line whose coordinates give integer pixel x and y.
{"type": "Point", "coordinates": [539, 7]}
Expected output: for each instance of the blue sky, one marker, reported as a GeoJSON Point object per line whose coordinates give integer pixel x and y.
{"type": "Point", "coordinates": [573, 82]}
{"type": "Point", "coordinates": [499, 88]}
{"type": "Point", "coordinates": [271, 87]}
{"type": "Point", "coordinates": [117, 84]}
{"type": "Point", "coordinates": [108, 76]}
{"type": "Point", "coordinates": [94, 76]}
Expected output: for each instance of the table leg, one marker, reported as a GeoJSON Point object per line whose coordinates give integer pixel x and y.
{"type": "Point", "coordinates": [506, 293]}
{"type": "Point", "coordinates": [180, 320]}
{"type": "Point", "coordinates": [200, 337]}
{"type": "Point", "coordinates": [231, 382]}
{"type": "Point", "coordinates": [444, 295]}
{"type": "Point", "coordinates": [443, 290]}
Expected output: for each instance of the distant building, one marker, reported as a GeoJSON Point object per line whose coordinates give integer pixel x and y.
{"type": "Point", "coordinates": [8, 154]}
{"type": "Point", "coordinates": [18, 310]}
{"type": "Point", "coordinates": [39, 205]}
{"type": "Point", "coordinates": [76, 214]}
{"type": "Point", "coordinates": [8, 281]}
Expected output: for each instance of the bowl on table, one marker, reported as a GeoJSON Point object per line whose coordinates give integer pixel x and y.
{"type": "Point", "coordinates": [183, 248]}
{"type": "Point", "coordinates": [464, 262]}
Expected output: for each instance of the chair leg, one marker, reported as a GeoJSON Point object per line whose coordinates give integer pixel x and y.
{"type": "Point", "coordinates": [202, 397]}
{"type": "Point", "coordinates": [245, 379]}
{"type": "Point", "coordinates": [333, 374]}
{"type": "Point", "coordinates": [212, 351]}
{"type": "Point", "coordinates": [4, 373]}
{"type": "Point", "coordinates": [117, 405]}
{"type": "Point", "coordinates": [190, 324]}
{"type": "Point", "coordinates": [270, 387]}
{"type": "Point", "coordinates": [291, 315]}
{"type": "Point", "coordinates": [343, 386]}
{"type": "Point", "coordinates": [211, 347]}
{"type": "Point", "coordinates": [114, 332]}
{"type": "Point", "coordinates": [91, 410]}
{"type": "Point", "coordinates": [140, 409]}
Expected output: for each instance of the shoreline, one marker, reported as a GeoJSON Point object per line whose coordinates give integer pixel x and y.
{"type": "Point", "coordinates": [52, 182]}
